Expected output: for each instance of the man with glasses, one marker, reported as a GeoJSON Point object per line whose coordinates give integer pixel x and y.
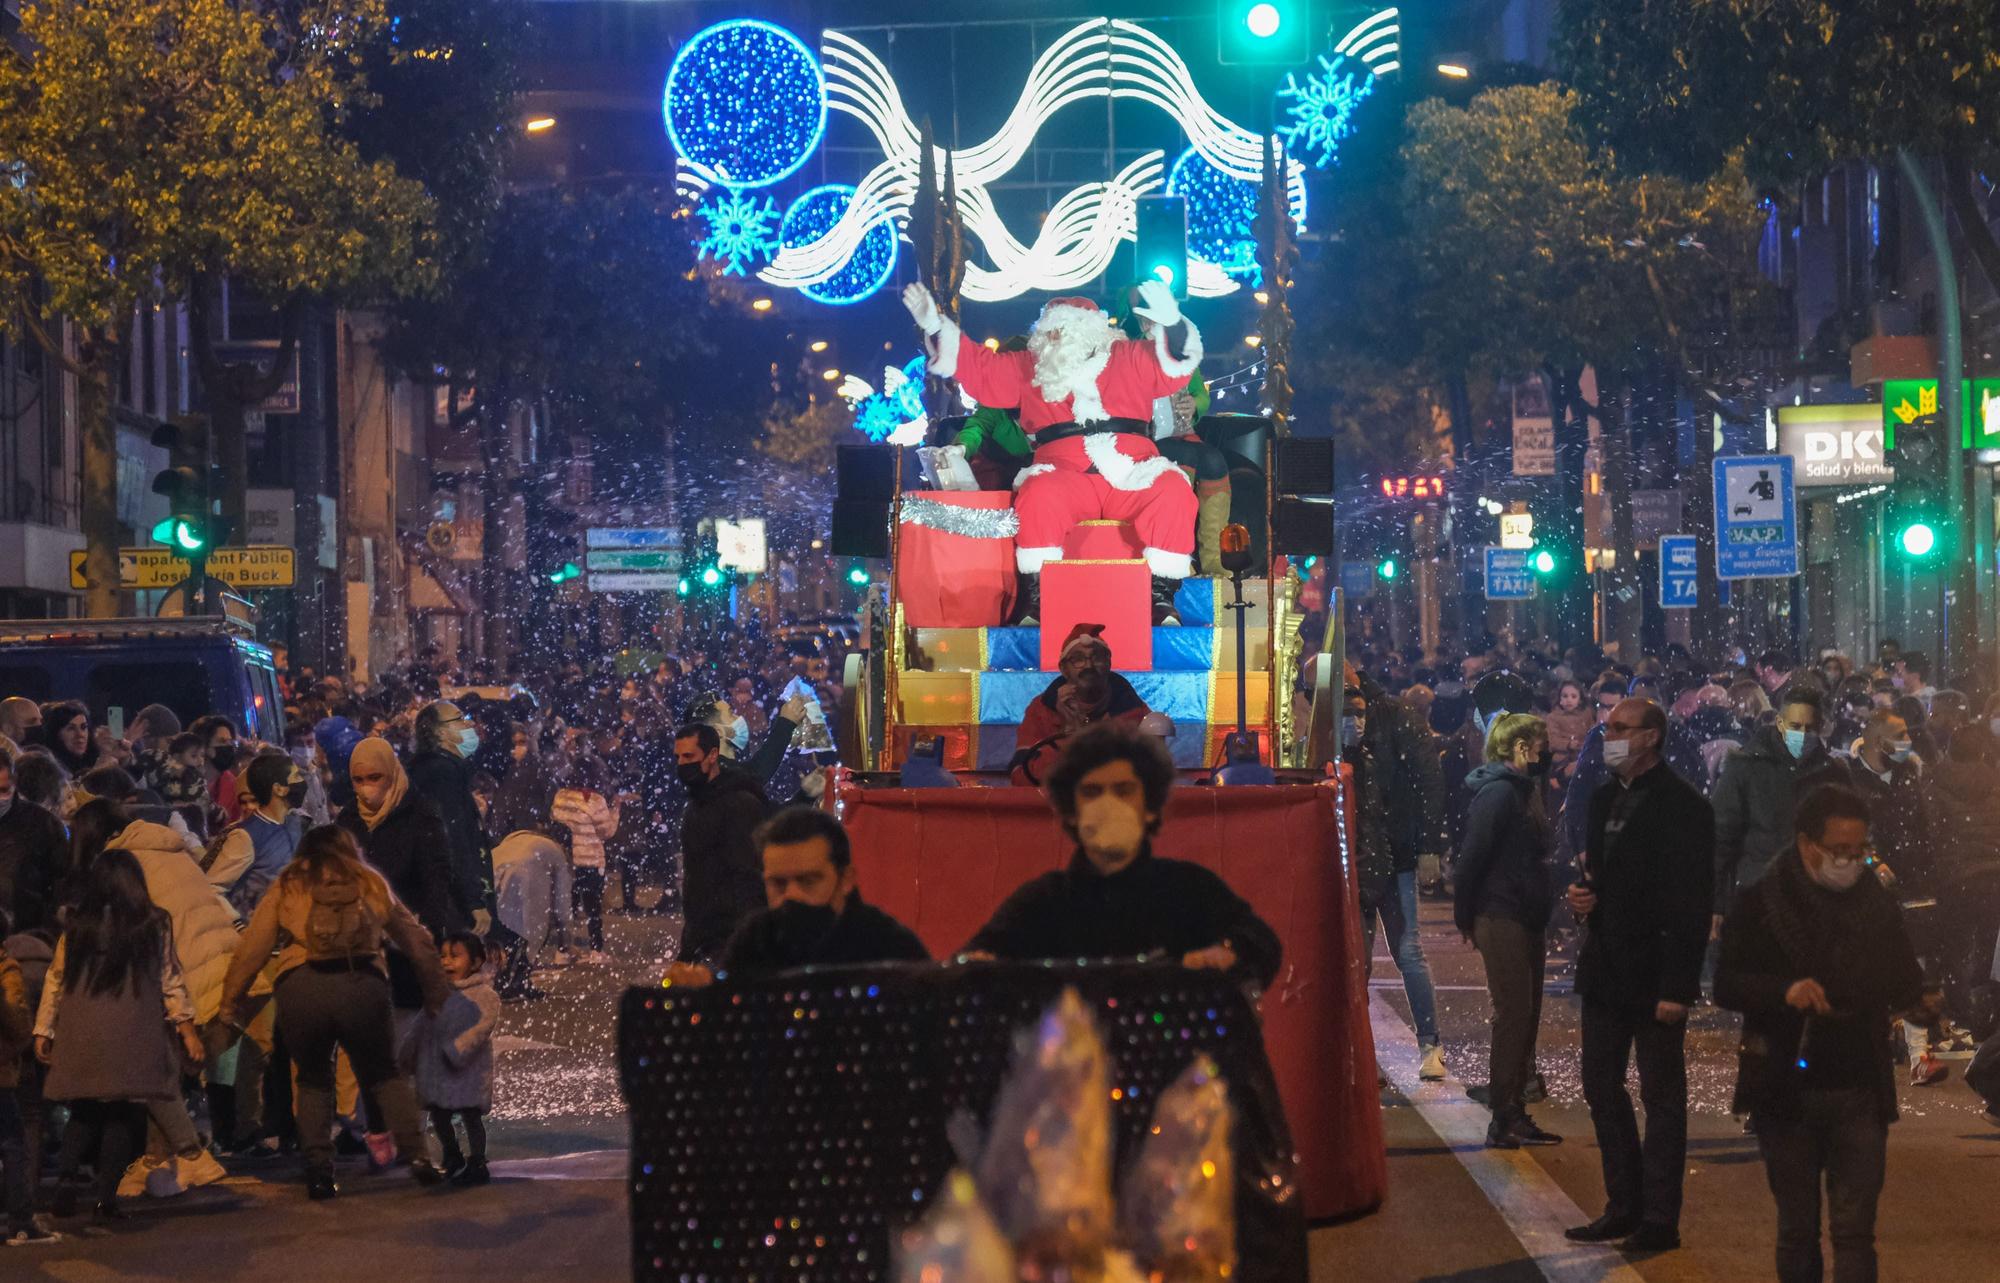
{"type": "Point", "coordinates": [1816, 957]}
{"type": "Point", "coordinates": [1643, 902]}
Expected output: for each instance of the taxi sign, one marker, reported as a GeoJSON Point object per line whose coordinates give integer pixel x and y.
{"type": "Point", "coordinates": [258, 566]}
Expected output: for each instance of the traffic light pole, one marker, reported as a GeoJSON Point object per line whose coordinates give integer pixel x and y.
{"type": "Point", "coordinates": [1960, 573]}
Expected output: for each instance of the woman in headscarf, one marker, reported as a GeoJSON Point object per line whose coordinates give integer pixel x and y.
{"type": "Point", "coordinates": [400, 834]}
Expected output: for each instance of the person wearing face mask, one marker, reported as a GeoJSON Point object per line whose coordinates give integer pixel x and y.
{"type": "Point", "coordinates": [814, 915]}
{"type": "Point", "coordinates": [1502, 907]}
{"type": "Point", "coordinates": [1962, 802]}
{"type": "Point", "coordinates": [1759, 789]}
{"type": "Point", "coordinates": [217, 735]}
{"type": "Point", "coordinates": [1117, 898]}
{"type": "Point", "coordinates": [733, 734]}
{"type": "Point", "coordinates": [721, 876]}
{"type": "Point", "coordinates": [252, 852]}
{"type": "Point", "coordinates": [1086, 693]}
{"type": "Point", "coordinates": [1643, 902]}
{"type": "Point", "coordinates": [1816, 957]}
{"type": "Point", "coordinates": [34, 851]}
{"type": "Point", "coordinates": [1399, 803]}
{"type": "Point", "coordinates": [440, 772]}
{"type": "Point", "coordinates": [1889, 776]}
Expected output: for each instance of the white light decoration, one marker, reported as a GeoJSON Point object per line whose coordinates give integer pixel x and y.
{"type": "Point", "coordinates": [1083, 231]}
{"type": "Point", "coordinates": [1377, 41]}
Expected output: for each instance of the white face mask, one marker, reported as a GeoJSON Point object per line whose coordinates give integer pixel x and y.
{"type": "Point", "coordinates": [1837, 876]}
{"type": "Point", "coordinates": [1616, 752]}
{"type": "Point", "coordinates": [1899, 750]}
{"type": "Point", "coordinates": [739, 734]}
{"type": "Point", "coordinates": [1110, 830]}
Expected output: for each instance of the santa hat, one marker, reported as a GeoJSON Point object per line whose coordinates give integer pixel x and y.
{"type": "Point", "coordinates": [1083, 635]}
{"type": "Point", "coordinates": [1070, 310]}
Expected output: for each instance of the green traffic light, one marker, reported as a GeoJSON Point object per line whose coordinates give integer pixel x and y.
{"type": "Point", "coordinates": [1918, 539]}
{"type": "Point", "coordinates": [1387, 569]}
{"type": "Point", "coordinates": [1544, 562]}
{"type": "Point", "coordinates": [858, 576]}
{"type": "Point", "coordinates": [683, 587]}
{"type": "Point", "coordinates": [1263, 20]}
{"type": "Point", "coordinates": [710, 576]}
{"type": "Point", "coordinates": [164, 532]}
{"type": "Point", "coordinates": [570, 570]}
{"type": "Point", "coordinates": [188, 537]}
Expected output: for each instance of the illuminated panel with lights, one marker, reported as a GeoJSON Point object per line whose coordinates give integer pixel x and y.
{"type": "Point", "coordinates": [1424, 487]}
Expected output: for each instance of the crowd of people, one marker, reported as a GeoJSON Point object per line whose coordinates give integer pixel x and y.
{"type": "Point", "coordinates": [1813, 845]}
{"type": "Point", "coordinates": [218, 947]}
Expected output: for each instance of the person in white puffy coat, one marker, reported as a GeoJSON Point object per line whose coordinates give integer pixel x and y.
{"type": "Point", "coordinates": [591, 818]}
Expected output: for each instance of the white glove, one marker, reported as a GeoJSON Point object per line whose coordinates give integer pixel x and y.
{"type": "Point", "coordinates": [1159, 306]}
{"type": "Point", "coordinates": [923, 308]}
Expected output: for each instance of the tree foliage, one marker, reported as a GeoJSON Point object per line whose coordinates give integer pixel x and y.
{"type": "Point", "coordinates": [159, 139]}
{"type": "Point", "coordinates": [1531, 247]}
{"type": "Point", "coordinates": [1794, 85]}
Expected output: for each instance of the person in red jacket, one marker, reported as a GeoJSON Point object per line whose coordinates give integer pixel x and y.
{"type": "Point", "coordinates": [1086, 693]}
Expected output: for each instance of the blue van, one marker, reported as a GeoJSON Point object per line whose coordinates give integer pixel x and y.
{"type": "Point", "coordinates": [118, 666]}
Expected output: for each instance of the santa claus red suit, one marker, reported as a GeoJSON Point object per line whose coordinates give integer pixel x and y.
{"type": "Point", "coordinates": [1085, 394]}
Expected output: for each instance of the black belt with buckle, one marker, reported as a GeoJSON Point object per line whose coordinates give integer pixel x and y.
{"type": "Point", "coordinates": [1064, 431]}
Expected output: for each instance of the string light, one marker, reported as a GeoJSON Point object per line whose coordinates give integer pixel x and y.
{"type": "Point", "coordinates": [866, 270]}
{"type": "Point", "coordinates": [745, 102]}
{"type": "Point", "coordinates": [1221, 210]}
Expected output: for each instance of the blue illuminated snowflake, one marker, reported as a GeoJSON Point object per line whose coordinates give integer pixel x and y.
{"type": "Point", "coordinates": [1322, 109]}
{"type": "Point", "coordinates": [877, 417]}
{"type": "Point", "coordinates": [739, 228]}
{"type": "Point", "coordinates": [906, 391]}
{"type": "Point", "coordinates": [1222, 214]}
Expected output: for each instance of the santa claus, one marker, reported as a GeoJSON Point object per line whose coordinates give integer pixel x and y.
{"type": "Point", "coordinates": [1085, 396]}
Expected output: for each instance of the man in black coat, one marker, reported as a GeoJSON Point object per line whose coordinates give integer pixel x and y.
{"type": "Point", "coordinates": [441, 774]}
{"type": "Point", "coordinates": [722, 879]}
{"type": "Point", "coordinates": [1816, 958]}
{"type": "Point", "coordinates": [814, 915]}
{"type": "Point", "coordinates": [1116, 898]}
{"type": "Point", "coordinates": [1648, 873]}
{"type": "Point", "coordinates": [33, 853]}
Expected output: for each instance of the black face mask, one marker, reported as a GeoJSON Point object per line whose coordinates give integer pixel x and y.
{"type": "Point", "coordinates": [798, 930]}
{"type": "Point", "coordinates": [222, 758]}
{"type": "Point", "coordinates": [691, 774]}
{"type": "Point", "coordinates": [1539, 768]}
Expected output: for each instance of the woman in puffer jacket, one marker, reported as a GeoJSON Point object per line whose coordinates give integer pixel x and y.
{"type": "Point", "coordinates": [204, 940]}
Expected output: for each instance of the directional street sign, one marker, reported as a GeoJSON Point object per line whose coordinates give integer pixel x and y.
{"type": "Point", "coordinates": [1678, 584]}
{"type": "Point", "coordinates": [601, 559]}
{"type": "Point", "coordinates": [1756, 518]}
{"type": "Point", "coordinates": [633, 558]}
{"type": "Point", "coordinates": [632, 537]}
{"type": "Point", "coordinates": [1507, 575]}
{"type": "Point", "coordinates": [258, 566]}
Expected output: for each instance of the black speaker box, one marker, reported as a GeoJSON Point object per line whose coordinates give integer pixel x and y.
{"type": "Point", "coordinates": [866, 473]}
{"type": "Point", "coordinates": [860, 529]}
{"type": "Point", "coordinates": [1302, 529]}
{"type": "Point", "coordinates": [1304, 466]}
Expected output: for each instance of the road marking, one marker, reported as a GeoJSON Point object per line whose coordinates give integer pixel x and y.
{"type": "Point", "coordinates": [1535, 1208]}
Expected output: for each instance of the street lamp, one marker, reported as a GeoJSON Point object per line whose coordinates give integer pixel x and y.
{"type": "Point", "coordinates": [829, 375]}
{"type": "Point", "coordinates": [819, 345]}
{"type": "Point", "coordinates": [541, 124]}
{"type": "Point", "coordinates": [760, 305]}
{"type": "Point", "coordinates": [1454, 70]}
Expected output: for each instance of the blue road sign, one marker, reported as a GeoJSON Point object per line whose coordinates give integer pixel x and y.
{"type": "Point", "coordinates": [1507, 575]}
{"type": "Point", "coordinates": [1678, 590]}
{"type": "Point", "coordinates": [1756, 518]}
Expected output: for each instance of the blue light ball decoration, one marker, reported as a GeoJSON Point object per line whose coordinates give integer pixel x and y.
{"type": "Point", "coordinates": [811, 216]}
{"type": "Point", "coordinates": [1222, 214]}
{"type": "Point", "coordinates": [745, 102]}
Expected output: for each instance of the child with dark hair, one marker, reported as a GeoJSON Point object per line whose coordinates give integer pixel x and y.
{"type": "Point", "coordinates": [101, 1029]}
{"type": "Point", "coordinates": [453, 1051]}
{"type": "Point", "coordinates": [179, 779]}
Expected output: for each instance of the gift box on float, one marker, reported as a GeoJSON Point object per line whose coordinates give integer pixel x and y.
{"type": "Point", "coordinates": [955, 558]}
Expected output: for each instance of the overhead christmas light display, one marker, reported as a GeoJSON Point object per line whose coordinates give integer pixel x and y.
{"type": "Point", "coordinates": [745, 103]}
{"type": "Point", "coordinates": [1323, 106]}
{"type": "Point", "coordinates": [865, 270]}
{"type": "Point", "coordinates": [740, 227]}
{"type": "Point", "coordinates": [1221, 210]}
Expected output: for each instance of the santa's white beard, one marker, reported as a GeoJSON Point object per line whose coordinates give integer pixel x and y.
{"type": "Point", "coordinates": [1068, 362]}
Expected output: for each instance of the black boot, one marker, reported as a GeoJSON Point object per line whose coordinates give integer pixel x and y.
{"type": "Point", "coordinates": [1027, 601]}
{"type": "Point", "coordinates": [1164, 591]}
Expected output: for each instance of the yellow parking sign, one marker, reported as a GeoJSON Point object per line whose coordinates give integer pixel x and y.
{"type": "Point", "coordinates": [258, 566]}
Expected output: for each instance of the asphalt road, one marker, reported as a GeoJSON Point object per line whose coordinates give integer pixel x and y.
{"type": "Point", "coordinates": [1455, 1211]}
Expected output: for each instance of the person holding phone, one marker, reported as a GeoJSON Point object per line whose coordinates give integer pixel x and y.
{"type": "Point", "coordinates": [1643, 905]}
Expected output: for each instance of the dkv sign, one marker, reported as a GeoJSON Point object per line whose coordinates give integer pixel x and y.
{"type": "Point", "coordinates": [1834, 445]}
